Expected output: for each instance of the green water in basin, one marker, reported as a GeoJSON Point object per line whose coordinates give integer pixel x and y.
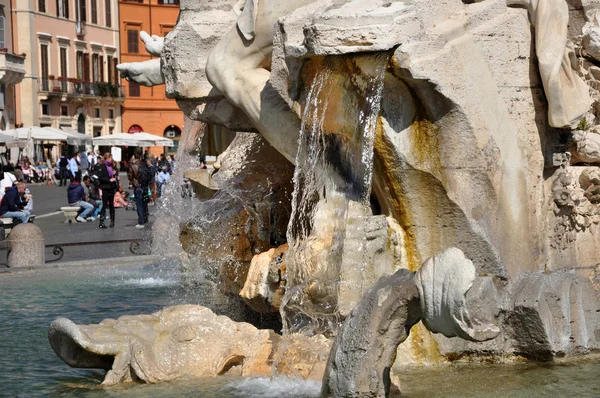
{"type": "Point", "coordinates": [29, 367]}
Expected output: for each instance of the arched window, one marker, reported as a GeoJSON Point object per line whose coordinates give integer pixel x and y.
{"type": "Point", "coordinates": [135, 128]}
{"type": "Point", "coordinates": [172, 132]}
{"type": "Point", "coordinates": [81, 124]}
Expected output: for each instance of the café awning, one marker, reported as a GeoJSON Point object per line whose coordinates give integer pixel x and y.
{"type": "Point", "coordinates": [135, 139]}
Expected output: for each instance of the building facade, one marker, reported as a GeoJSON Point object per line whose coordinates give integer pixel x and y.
{"type": "Point", "coordinates": [147, 108]}
{"type": "Point", "coordinates": [72, 49]}
{"type": "Point", "coordinates": [12, 68]}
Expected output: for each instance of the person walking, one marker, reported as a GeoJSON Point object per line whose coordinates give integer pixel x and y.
{"type": "Point", "coordinates": [84, 164]}
{"type": "Point", "coordinates": [73, 166]}
{"type": "Point", "coordinates": [63, 164]}
{"type": "Point", "coordinates": [76, 198]}
{"type": "Point", "coordinates": [108, 181]}
{"type": "Point", "coordinates": [140, 175]}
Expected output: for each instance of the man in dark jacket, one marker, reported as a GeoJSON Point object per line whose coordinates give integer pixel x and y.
{"type": "Point", "coordinates": [62, 170]}
{"type": "Point", "coordinates": [139, 177]}
{"type": "Point", "coordinates": [12, 205]}
{"type": "Point", "coordinates": [76, 197]}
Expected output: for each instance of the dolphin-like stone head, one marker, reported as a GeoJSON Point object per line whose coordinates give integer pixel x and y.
{"type": "Point", "coordinates": [183, 340]}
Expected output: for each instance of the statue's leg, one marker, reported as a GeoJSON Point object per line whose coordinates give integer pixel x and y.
{"type": "Point", "coordinates": [239, 69]}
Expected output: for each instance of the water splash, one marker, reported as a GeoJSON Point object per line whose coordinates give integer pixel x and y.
{"type": "Point", "coordinates": [332, 183]}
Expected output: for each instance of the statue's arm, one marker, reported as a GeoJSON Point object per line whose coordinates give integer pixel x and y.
{"type": "Point", "coordinates": [146, 73]}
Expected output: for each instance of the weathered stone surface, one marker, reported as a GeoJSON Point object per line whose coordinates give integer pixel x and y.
{"type": "Point", "coordinates": [27, 246]}
{"type": "Point", "coordinates": [265, 284]}
{"type": "Point", "coordinates": [179, 341]}
{"type": "Point", "coordinates": [553, 315]}
{"type": "Point", "coordinates": [365, 348]}
{"type": "Point", "coordinates": [248, 215]}
{"type": "Point", "coordinates": [200, 26]}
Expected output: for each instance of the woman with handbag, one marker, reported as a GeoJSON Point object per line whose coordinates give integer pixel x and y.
{"type": "Point", "coordinates": [107, 176]}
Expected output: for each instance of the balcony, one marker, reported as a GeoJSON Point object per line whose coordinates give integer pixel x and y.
{"type": "Point", "coordinates": [12, 68]}
{"type": "Point", "coordinates": [78, 89]}
{"type": "Point", "coordinates": [80, 28]}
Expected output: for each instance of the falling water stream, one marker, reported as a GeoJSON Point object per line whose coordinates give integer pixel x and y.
{"type": "Point", "coordinates": [331, 181]}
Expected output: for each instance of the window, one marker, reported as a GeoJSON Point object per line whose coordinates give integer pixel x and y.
{"type": "Point", "coordinates": [101, 68]}
{"type": "Point", "coordinates": [132, 41]}
{"type": "Point", "coordinates": [108, 14]}
{"type": "Point", "coordinates": [79, 64]}
{"type": "Point", "coordinates": [62, 8]}
{"type": "Point", "coordinates": [95, 68]}
{"type": "Point", "coordinates": [97, 113]}
{"type": "Point", "coordinates": [45, 109]}
{"type": "Point", "coordinates": [64, 110]}
{"type": "Point", "coordinates": [44, 66]}
{"type": "Point", "coordinates": [94, 11]}
{"type": "Point", "coordinates": [109, 68]}
{"type": "Point", "coordinates": [111, 113]}
{"type": "Point", "coordinates": [86, 67]}
{"type": "Point", "coordinates": [63, 63]}
{"type": "Point", "coordinates": [168, 2]}
{"type": "Point", "coordinates": [115, 71]}
{"type": "Point", "coordinates": [134, 89]}
{"type": "Point", "coordinates": [2, 39]}
{"type": "Point", "coordinates": [42, 5]}
{"type": "Point", "coordinates": [82, 15]}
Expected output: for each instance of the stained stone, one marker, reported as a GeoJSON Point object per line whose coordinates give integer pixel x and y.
{"type": "Point", "coordinates": [27, 246]}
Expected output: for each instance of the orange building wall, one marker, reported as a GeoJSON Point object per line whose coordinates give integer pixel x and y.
{"type": "Point", "coordinates": [151, 110]}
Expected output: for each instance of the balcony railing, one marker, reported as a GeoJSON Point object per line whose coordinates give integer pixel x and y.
{"type": "Point", "coordinates": [80, 88]}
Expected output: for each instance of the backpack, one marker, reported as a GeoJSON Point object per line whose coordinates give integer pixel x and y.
{"type": "Point", "coordinates": [144, 174]}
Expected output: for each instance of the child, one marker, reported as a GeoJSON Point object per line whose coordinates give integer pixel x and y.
{"type": "Point", "coordinates": [119, 200]}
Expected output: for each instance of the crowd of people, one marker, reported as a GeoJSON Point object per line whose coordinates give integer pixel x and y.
{"type": "Point", "coordinates": [93, 185]}
{"type": "Point", "coordinates": [102, 188]}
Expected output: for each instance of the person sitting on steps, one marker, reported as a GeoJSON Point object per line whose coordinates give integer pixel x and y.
{"type": "Point", "coordinates": [12, 205]}
{"type": "Point", "coordinates": [76, 197]}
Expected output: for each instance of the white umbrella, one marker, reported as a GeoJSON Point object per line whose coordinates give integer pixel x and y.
{"type": "Point", "coordinates": [135, 139]}
{"type": "Point", "coordinates": [29, 149]}
{"type": "Point", "coordinates": [11, 142]}
{"type": "Point", "coordinates": [37, 133]}
{"type": "Point", "coordinates": [72, 137]}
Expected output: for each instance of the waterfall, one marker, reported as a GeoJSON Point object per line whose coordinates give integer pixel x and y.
{"type": "Point", "coordinates": [332, 184]}
{"type": "Point", "coordinates": [173, 209]}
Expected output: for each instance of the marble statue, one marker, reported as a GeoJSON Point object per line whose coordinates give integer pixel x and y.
{"type": "Point", "coordinates": [464, 136]}
{"type": "Point", "coordinates": [192, 341]}
{"type": "Point", "coordinates": [365, 348]}
{"type": "Point", "coordinates": [567, 94]}
{"type": "Point", "coordinates": [179, 341]}
{"type": "Point", "coordinates": [146, 73]}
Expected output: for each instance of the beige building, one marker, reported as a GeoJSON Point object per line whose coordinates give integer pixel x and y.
{"type": "Point", "coordinates": [12, 68]}
{"type": "Point", "coordinates": [72, 49]}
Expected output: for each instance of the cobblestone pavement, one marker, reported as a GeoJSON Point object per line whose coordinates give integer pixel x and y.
{"type": "Point", "coordinates": [46, 206]}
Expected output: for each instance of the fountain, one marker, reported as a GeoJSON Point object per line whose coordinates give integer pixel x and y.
{"type": "Point", "coordinates": [445, 185]}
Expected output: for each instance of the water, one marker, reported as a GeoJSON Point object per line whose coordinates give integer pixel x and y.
{"type": "Point", "coordinates": [30, 302]}
{"type": "Point", "coordinates": [30, 368]}
{"type": "Point", "coordinates": [332, 183]}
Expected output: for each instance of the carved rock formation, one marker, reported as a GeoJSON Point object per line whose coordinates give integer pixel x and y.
{"type": "Point", "coordinates": [248, 215]}
{"type": "Point", "coordinates": [365, 349]}
{"type": "Point", "coordinates": [554, 315]}
{"type": "Point", "coordinates": [179, 341]}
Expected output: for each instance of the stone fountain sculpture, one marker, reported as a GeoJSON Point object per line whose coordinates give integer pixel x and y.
{"type": "Point", "coordinates": [191, 341]}
{"type": "Point", "coordinates": [485, 140]}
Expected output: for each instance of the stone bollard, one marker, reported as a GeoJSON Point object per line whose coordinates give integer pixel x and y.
{"type": "Point", "coordinates": [27, 246]}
